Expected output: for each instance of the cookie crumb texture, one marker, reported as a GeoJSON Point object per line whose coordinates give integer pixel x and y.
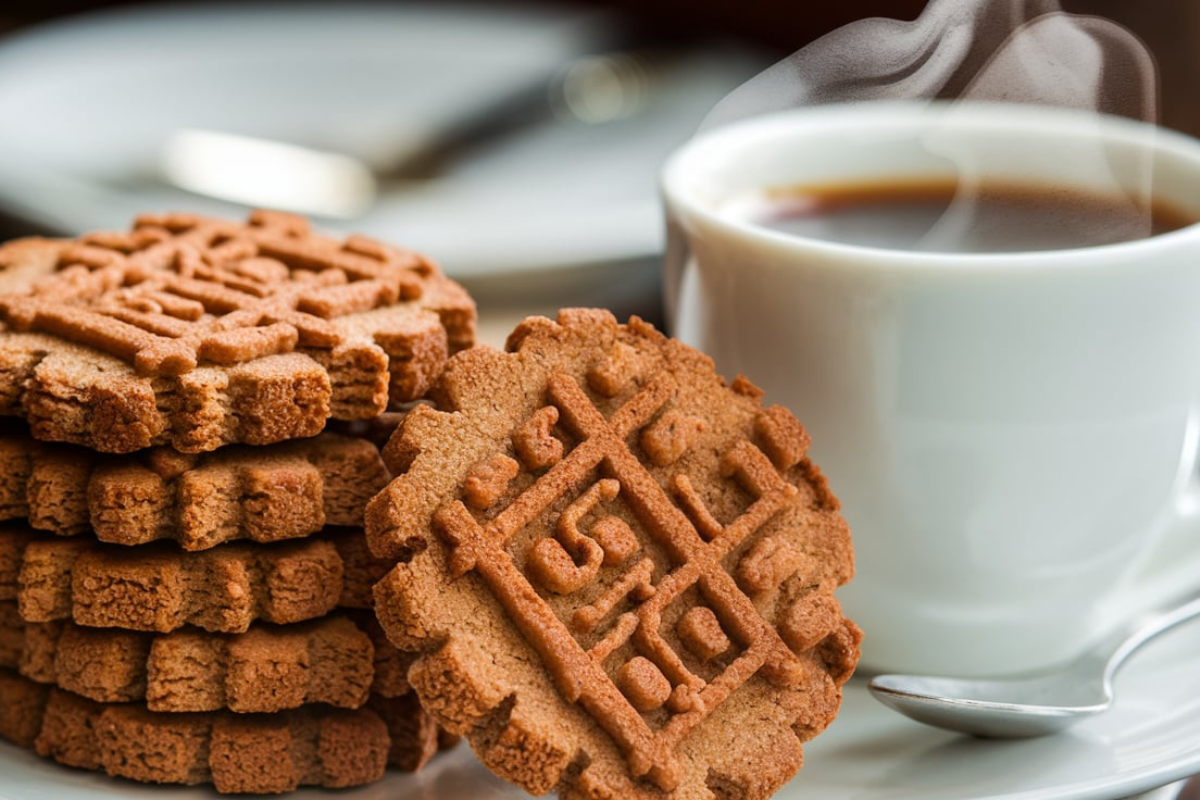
{"type": "Point", "coordinates": [265, 494]}
{"type": "Point", "coordinates": [617, 570]}
{"type": "Point", "coordinates": [237, 753]}
{"type": "Point", "coordinates": [196, 333]}
{"type": "Point", "coordinates": [268, 668]}
{"type": "Point", "coordinates": [157, 587]}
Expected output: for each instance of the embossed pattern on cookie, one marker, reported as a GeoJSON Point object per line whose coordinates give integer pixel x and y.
{"type": "Point", "coordinates": [618, 571]}
{"type": "Point", "coordinates": [267, 494]}
{"type": "Point", "coordinates": [196, 332]}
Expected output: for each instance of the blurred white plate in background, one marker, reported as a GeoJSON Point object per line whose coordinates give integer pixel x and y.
{"type": "Point", "coordinates": [88, 103]}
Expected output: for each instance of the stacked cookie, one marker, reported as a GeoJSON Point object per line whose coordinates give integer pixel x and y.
{"type": "Point", "coordinates": [185, 589]}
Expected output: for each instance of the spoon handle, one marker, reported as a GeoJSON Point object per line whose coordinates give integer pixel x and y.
{"type": "Point", "coordinates": [1129, 637]}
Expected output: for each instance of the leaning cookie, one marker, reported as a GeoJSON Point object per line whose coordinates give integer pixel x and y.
{"type": "Point", "coordinates": [264, 494]}
{"type": "Point", "coordinates": [237, 753]}
{"type": "Point", "coordinates": [196, 333]}
{"type": "Point", "coordinates": [617, 571]}
{"type": "Point", "coordinates": [157, 587]}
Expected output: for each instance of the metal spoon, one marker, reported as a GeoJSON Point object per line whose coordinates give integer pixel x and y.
{"type": "Point", "coordinates": [1035, 706]}
{"type": "Point", "coordinates": [589, 90]}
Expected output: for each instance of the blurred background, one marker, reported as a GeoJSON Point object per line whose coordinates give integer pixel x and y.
{"type": "Point", "coordinates": [516, 143]}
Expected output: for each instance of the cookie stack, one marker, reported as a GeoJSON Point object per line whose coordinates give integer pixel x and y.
{"type": "Point", "coordinates": [185, 589]}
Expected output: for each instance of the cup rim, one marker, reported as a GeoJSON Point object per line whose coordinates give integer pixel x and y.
{"type": "Point", "coordinates": [910, 112]}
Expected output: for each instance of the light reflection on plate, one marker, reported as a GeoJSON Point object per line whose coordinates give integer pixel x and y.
{"type": "Point", "coordinates": [1150, 738]}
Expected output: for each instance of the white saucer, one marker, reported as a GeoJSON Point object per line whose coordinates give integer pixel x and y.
{"type": "Point", "coordinates": [1151, 738]}
{"type": "Point", "coordinates": [89, 101]}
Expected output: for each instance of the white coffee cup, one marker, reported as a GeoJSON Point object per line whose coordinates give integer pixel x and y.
{"type": "Point", "coordinates": [1013, 435]}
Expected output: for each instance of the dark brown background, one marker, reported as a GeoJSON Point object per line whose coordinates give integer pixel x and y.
{"type": "Point", "coordinates": [1171, 28]}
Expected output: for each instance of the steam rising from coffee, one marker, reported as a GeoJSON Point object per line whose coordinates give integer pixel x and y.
{"type": "Point", "coordinates": [1012, 51]}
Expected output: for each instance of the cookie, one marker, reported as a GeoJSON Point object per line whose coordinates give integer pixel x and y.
{"type": "Point", "coordinates": [390, 668]}
{"type": "Point", "coordinates": [22, 707]}
{"type": "Point", "coordinates": [264, 494]}
{"type": "Point", "coordinates": [196, 333]}
{"type": "Point", "coordinates": [14, 643]}
{"type": "Point", "coordinates": [237, 753]}
{"type": "Point", "coordinates": [376, 430]}
{"type": "Point", "coordinates": [14, 539]}
{"type": "Point", "coordinates": [360, 569]}
{"type": "Point", "coordinates": [414, 734]}
{"type": "Point", "coordinates": [268, 668]}
{"type": "Point", "coordinates": [617, 571]}
{"type": "Point", "coordinates": [330, 661]}
{"type": "Point", "coordinates": [157, 587]}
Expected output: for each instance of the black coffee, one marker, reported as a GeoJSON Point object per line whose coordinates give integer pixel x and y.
{"type": "Point", "coordinates": [992, 217]}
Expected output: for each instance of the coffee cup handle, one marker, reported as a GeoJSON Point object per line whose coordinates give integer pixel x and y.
{"type": "Point", "coordinates": [1171, 566]}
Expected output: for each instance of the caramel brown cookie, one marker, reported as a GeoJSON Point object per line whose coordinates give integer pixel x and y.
{"type": "Point", "coordinates": [14, 538]}
{"type": "Point", "coordinates": [196, 333]}
{"type": "Point", "coordinates": [14, 639]}
{"type": "Point", "coordinates": [22, 707]}
{"type": "Point", "coordinates": [414, 734]}
{"type": "Point", "coordinates": [268, 668]}
{"type": "Point", "coordinates": [618, 571]}
{"type": "Point", "coordinates": [242, 753]}
{"type": "Point", "coordinates": [361, 569]}
{"type": "Point", "coordinates": [391, 664]}
{"type": "Point", "coordinates": [264, 494]}
{"type": "Point", "coordinates": [157, 587]}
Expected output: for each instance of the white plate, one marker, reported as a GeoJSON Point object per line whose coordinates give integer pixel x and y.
{"type": "Point", "coordinates": [1151, 738]}
{"type": "Point", "coordinates": [87, 103]}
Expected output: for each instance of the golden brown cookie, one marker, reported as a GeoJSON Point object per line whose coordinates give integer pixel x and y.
{"type": "Point", "coordinates": [268, 668]}
{"type": "Point", "coordinates": [264, 494]}
{"type": "Point", "coordinates": [15, 647]}
{"type": "Point", "coordinates": [360, 569]}
{"type": "Point", "coordinates": [617, 570]}
{"type": "Point", "coordinates": [242, 753]}
{"type": "Point", "coordinates": [391, 664]}
{"type": "Point", "coordinates": [195, 333]}
{"type": "Point", "coordinates": [22, 707]}
{"type": "Point", "coordinates": [415, 735]}
{"type": "Point", "coordinates": [157, 587]}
